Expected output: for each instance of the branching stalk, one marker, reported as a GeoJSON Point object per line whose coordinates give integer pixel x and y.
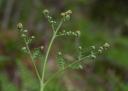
{"type": "Point", "coordinates": [47, 53]}
{"type": "Point", "coordinates": [65, 17]}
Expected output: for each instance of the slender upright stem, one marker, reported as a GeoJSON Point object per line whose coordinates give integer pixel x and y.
{"type": "Point", "coordinates": [46, 57]}
{"type": "Point", "coordinates": [47, 53]}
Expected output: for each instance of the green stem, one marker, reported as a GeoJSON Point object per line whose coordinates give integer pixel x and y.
{"type": "Point", "coordinates": [48, 50]}
{"type": "Point", "coordinates": [41, 86]}
{"type": "Point", "coordinates": [46, 57]}
{"type": "Point", "coordinates": [53, 28]}
{"type": "Point", "coordinates": [29, 52]}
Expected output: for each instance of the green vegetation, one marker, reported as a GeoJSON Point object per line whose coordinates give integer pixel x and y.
{"type": "Point", "coordinates": [63, 65]}
{"type": "Point", "coordinates": [99, 21]}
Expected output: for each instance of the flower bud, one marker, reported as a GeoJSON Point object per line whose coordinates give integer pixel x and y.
{"type": "Point", "coordinates": [67, 17]}
{"type": "Point", "coordinates": [32, 37]}
{"type": "Point", "coordinates": [78, 33]}
{"type": "Point", "coordinates": [49, 17]}
{"type": "Point", "coordinates": [100, 51]}
{"type": "Point", "coordinates": [62, 14]}
{"type": "Point", "coordinates": [69, 12]}
{"type": "Point", "coordinates": [59, 53]}
{"type": "Point", "coordinates": [25, 31]}
{"type": "Point", "coordinates": [68, 33]}
{"type": "Point", "coordinates": [80, 48]}
{"type": "Point", "coordinates": [93, 47]}
{"type": "Point", "coordinates": [106, 45]}
{"type": "Point", "coordinates": [23, 35]}
{"type": "Point", "coordinates": [42, 47]}
{"type": "Point", "coordinates": [46, 12]}
{"type": "Point", "coordinates": [19, 26]}
{"type": "Point", "coordinates": [93, 56]}
{"type": "Point", "coordinates": [101, 48]}
{"type": "Point", "coordinates": [24, 48]}
{"type": "Point", "coordinates": [73, 33]}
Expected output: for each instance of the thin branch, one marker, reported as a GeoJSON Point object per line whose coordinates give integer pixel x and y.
{"type": "Point", "coordinates": [68, 66]}
{"type": "Point", "coordinates": [37, 72]}
{"type": "Point", "coordinates": [49, 48]}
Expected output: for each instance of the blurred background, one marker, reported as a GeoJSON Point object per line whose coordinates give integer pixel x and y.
{"type": "Point", "coordinates": [99, 21]}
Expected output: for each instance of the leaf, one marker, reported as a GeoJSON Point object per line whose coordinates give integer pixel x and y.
{"type": "Point", "coordinates": [61, 62]}
{"type": "Point", "coordinates": [36, 53]}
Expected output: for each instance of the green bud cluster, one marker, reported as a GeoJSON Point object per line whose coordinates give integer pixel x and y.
{"type": "Point", "coordinates": [100, 50]}
{"type": "Point", "coordinates": [21, 30]}
{"type": "Point", "coordinates": [92, 55]}
{"type": "Point", "coordinates": [46, 14]}
{"type": "Point", "coordinates": [24, 34]}
{"type": "Point", "coordinates": [70, 33]}
{"type": "Point", "coordinates": [66, 15]}
{"type": "Point", "coordinates": [104, 47]}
